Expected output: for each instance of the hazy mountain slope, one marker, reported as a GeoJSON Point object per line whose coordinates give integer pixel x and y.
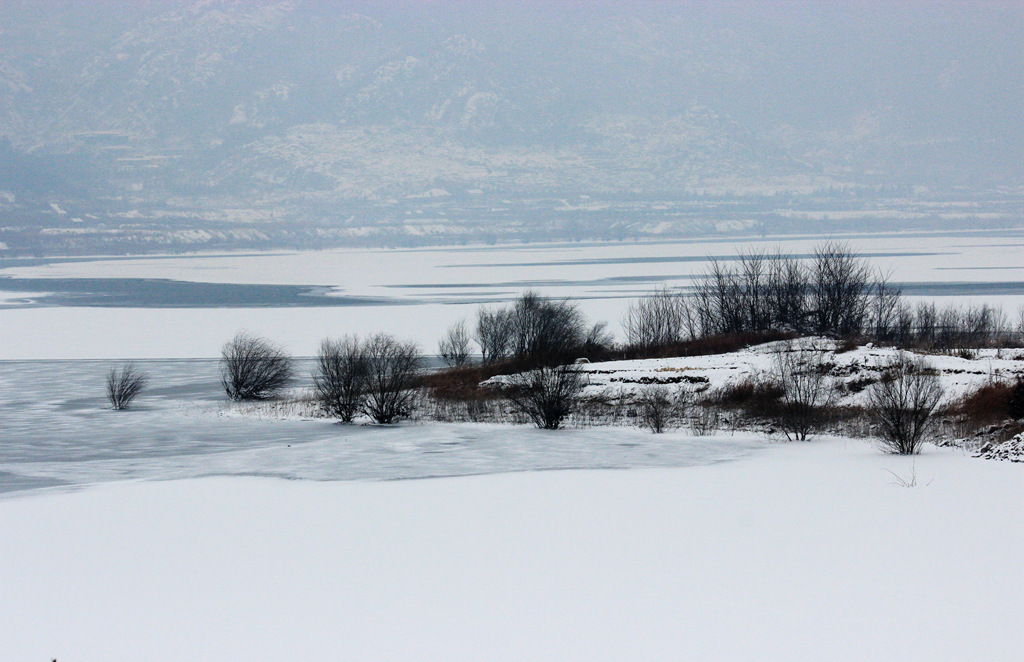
{"type": "Point", "coordinates": [288, 106]}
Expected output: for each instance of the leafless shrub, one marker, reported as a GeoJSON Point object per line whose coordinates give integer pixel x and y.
{"type": "Point", "coordinates": [391, 368]}
{"type": "Point", "coordinates": [902, 402]}
{"type": "Point", "coordinates": [656, 408]}
{"type": "Point", "coordinates": [340, 377]}
{"type": "Point", "coordinates": [546, 395]}
{"type": "Point", "coordinates": [1015, 402]}
{"type": "Point", "coordinates": [704, 419]}
{"type": "Point", "coordinates": [124, 384]}
{"type": "Point", "coordinates": [454, 346]}
{"type": "Point", "coordinates": [253, 368]}
{"type": "Point", "coordinates": [807, 390]}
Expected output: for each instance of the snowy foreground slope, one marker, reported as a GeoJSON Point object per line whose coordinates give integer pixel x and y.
{"type": "Point", "coordinates": [805, 551]}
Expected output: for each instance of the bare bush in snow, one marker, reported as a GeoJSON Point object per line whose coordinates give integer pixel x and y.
{"type": "Point", "coordinates": [391, 369]}
{"type": "Point", "coordinates": [546, 395]}
{"type": "Point", "coordinates": [124, 384]}
{"type": "Point", "coordinates": [253, 368]}
{"type": "Point", "coordinates": [800, 370]}
{"type": "Point", "coordinates": [657, 408]}
{"type": "Point", "coordinates": [340, 377]}
{"type": "Point", "coordinates": [902, 402]}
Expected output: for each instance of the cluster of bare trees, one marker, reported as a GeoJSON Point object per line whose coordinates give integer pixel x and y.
{"type": "Point", "coordinates": [949, 328]}
{"type": "Point", "coordinates": [375, 377]}
{"type": "Point", "coordinates": [761, 292]}
{"type": "Point", "coordinates": [541, 330]}
{"type": "Point", "coordinates": [378, 377]}
{"type": "Point", "coordinates": [832, 294]}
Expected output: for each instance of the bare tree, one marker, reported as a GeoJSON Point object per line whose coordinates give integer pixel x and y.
{"type": "Point", "coordinates": [656, 408]}
{"type": "Point", "coordinates": [902, 402]}
{"type": "Point", "coordinates": [494, 334]}
{"type": "Point", "coordinates": [547, 330]}
{"type": "Point", "coordinates": [391, 369]}
{"type": "Point", "coordinates": [657, 319]}
{"type": "Point", "coordinates": [538, 329]}
{"type": "Point", "coordinates": [253, 368]}
{"type": "Point", "coordinates": [801, 372]}
{"type": "Point", "coordinates": [884, 309]}
{"type": "Point", "coordinates": [547, 395]}
{"type": "Point", "coordinates": [840, 284]}
{"type": "Point", "coordinates": [454, 346]}
{"type": "Point", "coordinates": [597, 338]}
{"type": "Point", "coordinates": [926, 320]}
{"type": "Point", "coordinates": [786, 295]}
{"type": "Point", "coordinates": [124, 384]}
{"type": "Point", "coordinates": [753, 279]}
{"type": "Point", "coordinates": [340, 377]}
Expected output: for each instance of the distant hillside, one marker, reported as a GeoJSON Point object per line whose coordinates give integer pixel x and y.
{"type": "Point", "coordinates": [168, 116]}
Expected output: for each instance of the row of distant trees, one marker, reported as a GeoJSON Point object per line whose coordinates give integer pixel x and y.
{"type": "Point", "coordinates": [835, 293]}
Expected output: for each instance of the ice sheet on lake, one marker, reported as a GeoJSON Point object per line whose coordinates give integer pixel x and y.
{"type": "Point", "coordinates": [59, 431]}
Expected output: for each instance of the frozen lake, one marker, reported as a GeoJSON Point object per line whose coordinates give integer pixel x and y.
{"type": "Point", "coordinates": [57, 430]}
{"type": "Point", "coordinates": [63, 321]}
{"type": "Point", "coordinates": [188, 306]}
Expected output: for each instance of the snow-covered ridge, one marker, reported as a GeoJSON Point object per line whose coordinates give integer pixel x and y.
{"type": "Point", "coordinates": [852, 371]}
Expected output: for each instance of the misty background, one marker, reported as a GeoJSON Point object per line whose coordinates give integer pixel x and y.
{"type": "Point", "coordinates": [168, 126]}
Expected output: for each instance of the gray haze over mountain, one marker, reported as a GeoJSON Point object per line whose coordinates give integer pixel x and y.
{"type": "Point", "coordinates": [162, 125]}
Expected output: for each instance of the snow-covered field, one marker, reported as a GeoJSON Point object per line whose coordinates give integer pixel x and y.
{"type": "Point", "coordinates": [799, 552]}
{"type": "Point", "coordinates": [418, 293]}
